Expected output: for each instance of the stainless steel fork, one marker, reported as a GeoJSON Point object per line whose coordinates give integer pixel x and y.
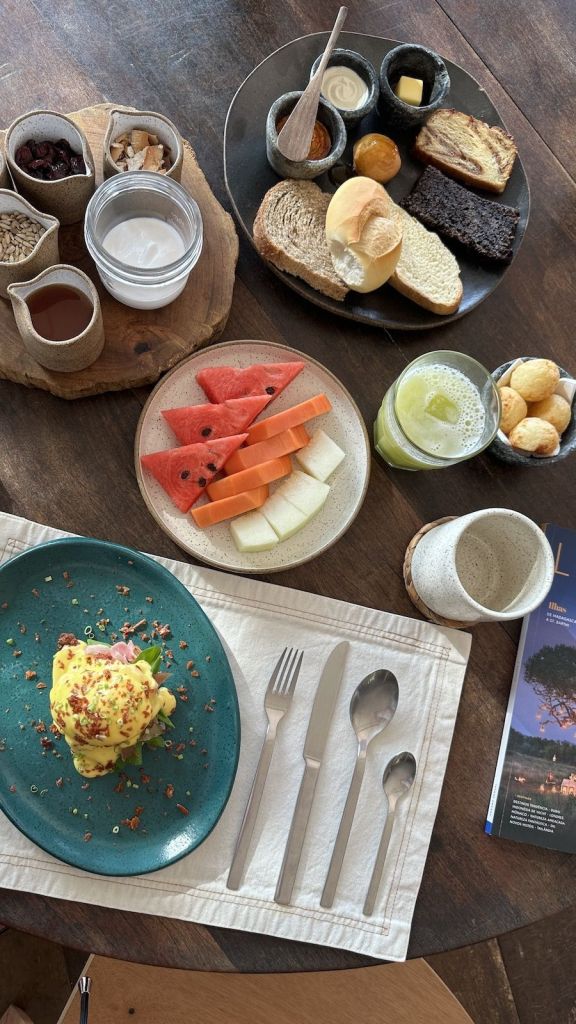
{"type": "Point", "coordinates": [276, 703]}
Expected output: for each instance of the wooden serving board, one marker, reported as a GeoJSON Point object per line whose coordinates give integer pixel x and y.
{"type": "Point", "coordinates": [140, 344]}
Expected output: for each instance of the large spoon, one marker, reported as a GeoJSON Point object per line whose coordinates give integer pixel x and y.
{"type": "Point", "coordinates": [296, 135]}
{"type": "Point", "coordinates": [398, 777]}
{"type": "Point", "coordinates": [372, 708]}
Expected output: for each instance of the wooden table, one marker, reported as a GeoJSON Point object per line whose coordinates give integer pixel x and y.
{"type": "Point", "coordinates": [187, 59]}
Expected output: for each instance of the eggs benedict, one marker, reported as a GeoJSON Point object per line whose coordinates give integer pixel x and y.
{"type": "Point", "coordinates": [106, 701]}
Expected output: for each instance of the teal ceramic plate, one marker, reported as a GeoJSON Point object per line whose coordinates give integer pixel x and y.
{"type": "Point", "coordinates": [70, 586]}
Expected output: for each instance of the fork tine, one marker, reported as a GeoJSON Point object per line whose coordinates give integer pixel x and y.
{"type": "Point", "coordinates": [272, 683]}
{"type": "Point", "coordinates": [286, 671]}
{"type": "Point", "coordinates": [295, 673]}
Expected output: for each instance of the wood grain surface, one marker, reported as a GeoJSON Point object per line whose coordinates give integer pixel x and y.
{"type": "Point", "coordinates": [409, 993]}
{"type": "Point", "coordinates": [183, 60]}
{"type": "Point", "coordinates": [140, 344]}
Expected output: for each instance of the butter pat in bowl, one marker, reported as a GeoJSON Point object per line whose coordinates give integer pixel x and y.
{"type": "Point", "coordinates": [144, 233]}
{"type": "Point", "coordinates": [403, 103]}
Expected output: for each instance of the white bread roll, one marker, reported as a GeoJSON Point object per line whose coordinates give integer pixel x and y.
{"type": "Point", "coordinates": [364, 234]}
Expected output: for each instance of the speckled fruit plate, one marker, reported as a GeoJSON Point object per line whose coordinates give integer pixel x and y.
{"type": "Point", "coordinates": [344, 424]}
{"type": "Point", "coordinates": [69, 586]}
{"type": "Point", "coordinates": [248, 174]}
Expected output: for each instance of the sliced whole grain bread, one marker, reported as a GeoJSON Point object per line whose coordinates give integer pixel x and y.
{"type": "Point", "coordinates": [427, 272]}
{"type": "Point", "coordinates": [467, 148]}
{"type": "Point", "coordinates": [484, 226]}
{"type": "Point", "coordinates": [289, 231]}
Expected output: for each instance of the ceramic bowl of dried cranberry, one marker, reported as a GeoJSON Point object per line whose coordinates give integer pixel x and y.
{"type": "Point", "coordinates": [51, 164]}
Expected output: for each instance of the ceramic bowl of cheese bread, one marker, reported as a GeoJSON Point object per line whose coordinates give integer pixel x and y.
{"type": "Point", "coordinates": [421, 216]}
{"type": "Point", "coordinates": [538, 425]}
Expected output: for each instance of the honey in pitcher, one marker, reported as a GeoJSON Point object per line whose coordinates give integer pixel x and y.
{"type": "Point", "coordinates": [59, 312]}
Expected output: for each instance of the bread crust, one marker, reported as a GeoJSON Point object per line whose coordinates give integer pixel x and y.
{"type": "Point", "coordinates": [441, 308]}
{"type": "Point", "coordinates": [491, 144]}
{"type": "Point", "coordinates": [272, 252]}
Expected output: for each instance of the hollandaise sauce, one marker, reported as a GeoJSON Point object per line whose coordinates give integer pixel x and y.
{"type": "Point", "coordinates": [103, 706]}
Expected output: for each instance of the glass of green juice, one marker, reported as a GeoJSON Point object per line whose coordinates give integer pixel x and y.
{"type": "Point", "coordinates": [444, 408]}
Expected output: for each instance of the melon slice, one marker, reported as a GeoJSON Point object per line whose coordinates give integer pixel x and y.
{"type": "Point", "coordinates": [253, 532]}
{"type": "Point", "coordinates": [265, 451]}
{"type": "Point", "coordinates": [223, 382]}
{"type": "Point", "coordinates": [248, 479]}
{"type": "Point", "coordinates": [292, 417]}
{"type": "Point", "coordinates": [217, 511]}
{"type": "Point", "coordinates": [184, 472]}
{"type": "Point", "coordinates": [320, 457]}
{"type": "Point", "coordinates": [194, 424]}
{"type": "Point", "coordinates": [305, 492]}
{"type": "Point", "coordinates": [284, 518]}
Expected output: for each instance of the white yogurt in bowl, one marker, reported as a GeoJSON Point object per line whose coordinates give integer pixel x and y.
{"type": "Point", "coordinates": [144, 242]}
{"type": "Point", "coordinates": [344, 88]}
{"type": "Point", "coordinates": [144, 232]}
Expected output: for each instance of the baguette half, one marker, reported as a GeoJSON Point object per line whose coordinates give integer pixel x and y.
{"type": "Point", "coordinates": [289, 231]}
{"type": "Point", "coordinates": [427, 272]}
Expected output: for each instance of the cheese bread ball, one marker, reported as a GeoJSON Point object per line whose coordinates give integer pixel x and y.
{"type": "Point", "coordinates": [535, 379]}
{"type": "Point", "coordinates": [535, 435]}
{"type": "Point", "coordinates": [514, 408]}
{"type": "Point", "coordinates": [555, 409]}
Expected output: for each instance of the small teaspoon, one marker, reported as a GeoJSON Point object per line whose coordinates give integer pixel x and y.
{"type": "Point", "coordinates": [398, 777]}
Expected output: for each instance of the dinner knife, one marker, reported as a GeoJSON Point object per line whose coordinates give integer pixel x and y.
{"type": "Point", "coordinates": [314, 745]}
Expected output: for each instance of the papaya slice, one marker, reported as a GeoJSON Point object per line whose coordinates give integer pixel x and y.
{"type": "Point", "coordinates": [292, 417]}
{"type": "Point", "coordinates": [274, 448]}
{"type": "Point", "coordinates": [249, 479]}
{"type": "Point", "coordinates": [217, 511]}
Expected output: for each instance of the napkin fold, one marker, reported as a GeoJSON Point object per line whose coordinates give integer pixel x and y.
{"type": "Point", "coordinates": [256, 621]}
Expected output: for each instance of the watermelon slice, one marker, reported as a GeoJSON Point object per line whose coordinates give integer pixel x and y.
{"type": "Point", "coordinates": [197, 423]}
{"type": "Point", "coordinates": [223, 382]}
{"type": "Point", "coordinates": [185, 472]}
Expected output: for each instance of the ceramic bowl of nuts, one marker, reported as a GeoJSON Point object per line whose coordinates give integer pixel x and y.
{"type": "Point", "coordinates": [538, 423]}
{"type": "Point", "coordinates": [28, 240]}
{"type": "Point", "coordinates": [141, 140]}
{"type": "Point", "coordinates": [51, 164]}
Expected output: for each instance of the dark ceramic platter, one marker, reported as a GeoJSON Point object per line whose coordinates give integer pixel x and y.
{"type": "Point", "coordinates": [248, 174]}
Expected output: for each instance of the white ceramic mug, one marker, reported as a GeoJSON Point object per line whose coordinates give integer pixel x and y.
{"type": "Point", "coordinates": [489, 566]}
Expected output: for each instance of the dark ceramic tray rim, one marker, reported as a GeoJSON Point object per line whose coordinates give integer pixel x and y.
{"type": "Point", "coordinates": [360, 313]}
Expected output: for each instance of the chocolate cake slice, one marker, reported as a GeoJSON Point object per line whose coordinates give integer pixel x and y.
{"type": "Point", "coordinates": [482, 225]}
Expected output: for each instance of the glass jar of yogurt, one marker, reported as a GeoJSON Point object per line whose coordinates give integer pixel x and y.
{"type": "Point", "coordinates": [144, 233]}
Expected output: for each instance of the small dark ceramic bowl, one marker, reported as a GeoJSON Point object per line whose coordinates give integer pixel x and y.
{"type": "Point", "coordinates": [366, 71]}
{"type": "Point", "coordinates": [327, 115]}
{"type": "Point", "coordinates": [506, 453]}
{"type": "Point", "coordinates": [416, 62]}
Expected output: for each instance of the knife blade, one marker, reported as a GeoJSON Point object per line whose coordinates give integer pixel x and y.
{"type": "Point", "coordinates": [316, 737]}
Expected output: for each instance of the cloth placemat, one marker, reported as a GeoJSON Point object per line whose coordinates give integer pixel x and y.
{"type": "Point", "coordinates": [256, 621]}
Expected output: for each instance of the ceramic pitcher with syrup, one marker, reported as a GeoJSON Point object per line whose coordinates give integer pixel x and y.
{"type": "Point", "coordinates": [59, 318]}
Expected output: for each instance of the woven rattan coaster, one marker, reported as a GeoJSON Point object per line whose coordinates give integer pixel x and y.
{"type": "Point", "coordinates": [409, 584]}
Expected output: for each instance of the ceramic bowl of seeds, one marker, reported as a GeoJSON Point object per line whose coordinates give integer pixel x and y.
{"type": "Point", "coordinates": [141, 140]}
{"type": "Point", "coordinates": [28, 240]}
